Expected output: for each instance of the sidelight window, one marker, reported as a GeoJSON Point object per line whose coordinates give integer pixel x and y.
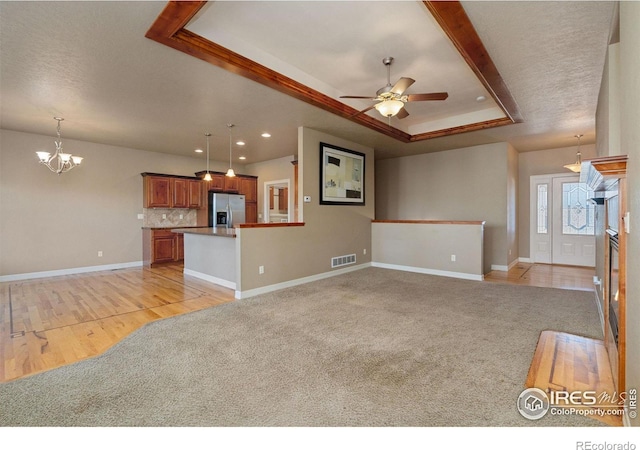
{"type": "Point", "coordinates": [543, 212]}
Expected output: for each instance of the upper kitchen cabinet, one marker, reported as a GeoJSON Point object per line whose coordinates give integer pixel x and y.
{"type": "Point", "coordinates": [196, 194]}
{"type": "Point", "coordinates": [216, 183]}
{"type": "Point", "coordinates": [166, 191]}
{"type": "Point", "coordinates": [249, 188]}
{"type": "Point", "coordinates": [180, 191]}
{"type": "Point", "coordinates": [231, 184]}
{"type": "Point", "coordinates": [157, 192]}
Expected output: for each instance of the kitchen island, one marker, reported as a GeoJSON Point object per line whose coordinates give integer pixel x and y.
{"type": "Point", "coordinates": [210, 254]}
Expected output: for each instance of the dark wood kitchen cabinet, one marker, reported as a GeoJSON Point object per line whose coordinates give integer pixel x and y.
{"type": "Point", "coordinates": [166, 191]}
{"type": "Point", "coordinates": [161, 246]}
{"type": "Point", "coordinates": [246, 185]}
{"type": "Point", "coordinates": [157, 192]}
{"type": "Point", "coordinates": [180, 191]}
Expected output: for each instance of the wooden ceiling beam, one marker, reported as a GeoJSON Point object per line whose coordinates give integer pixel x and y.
{"type": "Point", "coordinates": [169, 29]}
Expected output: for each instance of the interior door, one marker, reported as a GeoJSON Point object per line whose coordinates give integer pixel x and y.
{"type": "Point", "coordinates": [573, 223]}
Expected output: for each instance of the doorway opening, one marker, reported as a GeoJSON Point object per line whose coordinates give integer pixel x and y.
{"type": "Point", "coordinates": [277, 201]}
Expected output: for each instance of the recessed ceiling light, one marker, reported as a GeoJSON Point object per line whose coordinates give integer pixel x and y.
{"type": "Point", "coordinates": [265, 135]}
{"type": "Point", "coordinates": [242, 157]}
{"type": "Point", "coordinates": [480, 98]}
{"type": "Point", "coordinates": [240, 143]}
{"type": "Point", "coordinates": [198, 150]}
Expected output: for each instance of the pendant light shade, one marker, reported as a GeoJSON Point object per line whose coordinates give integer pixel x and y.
{"type": "Point", "coordinates": [576, 166]}
{"type": "Point", "coordinates": [207, 177]}
{"type": "Point", "coordinates": [230, 172]}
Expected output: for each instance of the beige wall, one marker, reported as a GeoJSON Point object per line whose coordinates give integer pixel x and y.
{"type": "Point", "coordinates": [608, 110]}
{"type": "Point", "coordinates": [427, 248]}
{"type": "Point", "coordinates": [54, 222]}
{"type": "Point", "coordinates": [291, 253]}
{"type": "Point", "coordinates": [463, 184]}
{"type": "Point", "coordinates": [512, 205]}
{"type": "Point", "coordinates": [542, 162]}
{"type": "Point", "coordinates": [629, 139]}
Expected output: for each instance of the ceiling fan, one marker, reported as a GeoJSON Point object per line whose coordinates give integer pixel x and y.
{"type": "Point", "coordinates": [391, 99]}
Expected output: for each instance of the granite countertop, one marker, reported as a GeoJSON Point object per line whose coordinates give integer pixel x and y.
{"type": "Point", "coordinates": [215, 231]}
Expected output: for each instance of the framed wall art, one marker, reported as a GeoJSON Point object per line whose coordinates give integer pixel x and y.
{"type": "Point", "coordinates": [341, 176]}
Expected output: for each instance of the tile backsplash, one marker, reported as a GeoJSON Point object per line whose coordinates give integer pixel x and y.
{"type": "Point", "coordinates": [158, 217]}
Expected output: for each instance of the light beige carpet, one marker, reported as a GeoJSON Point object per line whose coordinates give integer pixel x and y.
{"type": "Point", "coordinates": [374, 347]}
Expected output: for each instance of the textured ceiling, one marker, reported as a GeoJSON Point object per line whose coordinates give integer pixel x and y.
{"type": "Point", "coordinates": [90, 63]}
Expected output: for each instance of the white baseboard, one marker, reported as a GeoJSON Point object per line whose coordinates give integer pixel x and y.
{"type": "Point", "coordinates": [210, 278]}
{"type": "Point", "coordinates": [275, 287]}
{"type": "Point", "coordinates": [72, 271]}
{"type": "Point", "coordinates": [525, 260]}
{"type": "Point", "coordinates": [442, 273]}
{"type": "Point", "coordinates": [511, 265]}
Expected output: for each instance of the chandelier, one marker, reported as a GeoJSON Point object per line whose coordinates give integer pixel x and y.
{"type": "Point", "coordinates": [60, 162]}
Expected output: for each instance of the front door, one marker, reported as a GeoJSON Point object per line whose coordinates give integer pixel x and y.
{"type": "Point", "coordinates": [562, 221]}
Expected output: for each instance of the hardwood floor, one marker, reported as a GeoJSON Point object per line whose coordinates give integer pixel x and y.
{"type": "Point", "coordinates": [569, 363]}
{"type": "Point", "coordinates": [546, 275]}
{"type": "Point", "coordinates": [49, 322]}
{"type": "Point", "coordinates": [564, 362]}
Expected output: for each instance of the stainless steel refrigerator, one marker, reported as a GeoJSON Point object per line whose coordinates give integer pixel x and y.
{"type": "Point", "coordinates": [226, 210]}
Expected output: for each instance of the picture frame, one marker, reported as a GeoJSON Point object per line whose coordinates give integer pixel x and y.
{"type": "Point", "coordinates": [342, 175]}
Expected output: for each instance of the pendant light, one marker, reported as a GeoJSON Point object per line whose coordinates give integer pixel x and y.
{"type": "Point", "coordinates": [207, 177]}
{"type": "Point", "coordinates": [230, 172]}
{"type": "Point", "coordinates": [576, 166]}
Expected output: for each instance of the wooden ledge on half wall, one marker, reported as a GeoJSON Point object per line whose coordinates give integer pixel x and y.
{"type": "Point", "coordinates": [270, 225]}
{"type": "Point", "coordinates": [441, 222]}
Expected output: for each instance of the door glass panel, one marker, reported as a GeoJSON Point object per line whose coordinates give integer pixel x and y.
{"type": "Point", "coordinates": [543, 213]}
{"type": "Point", "coordinates": [578, 213]}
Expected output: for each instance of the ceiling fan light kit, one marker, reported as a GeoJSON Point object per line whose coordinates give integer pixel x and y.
{"type": "Point", "coordinates": [392, 98]}
{"type": "Point", "coordinates": [389, 108]}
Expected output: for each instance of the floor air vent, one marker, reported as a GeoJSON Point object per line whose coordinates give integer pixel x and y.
{"type": "Point", "coordinates": [339, 261]}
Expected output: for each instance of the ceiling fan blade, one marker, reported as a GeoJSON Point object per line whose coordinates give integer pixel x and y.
{"type": "Point", "coordinates": [424, 97]}
{"type": "Point", "coordinates": [357, 96]}
{"type": "Point", "coordinates": [402, 85]}
{"type": "Point", "coordinates": [364, 110]}
{"type": "Point", "coordinates": [402, 113]}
